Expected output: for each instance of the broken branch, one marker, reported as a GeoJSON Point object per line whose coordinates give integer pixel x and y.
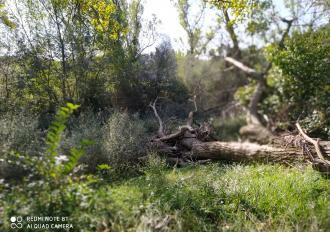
{"type": "Point", "coordinates": [312, 141]}
{"type": "Point", "coordinates": [249, 71]}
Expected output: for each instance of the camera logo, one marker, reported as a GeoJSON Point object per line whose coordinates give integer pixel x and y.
{"type": "Point", "coordinates": [16, 222]}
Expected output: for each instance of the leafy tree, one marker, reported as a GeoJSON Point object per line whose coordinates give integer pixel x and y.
{"type": "Point", "coordinates": [193, 24]}
{"type": "Point", "coordinates": [305, 85]}
{"type": "Point", "coordinates": [69, 50]}
{"type": "Point", "coordinates": [159, 77]}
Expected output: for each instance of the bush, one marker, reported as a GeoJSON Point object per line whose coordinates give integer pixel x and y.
{"type": "Point", "coordinates": [119, 140]}
{"type": "Point", "coordinates": [124, 139]}
{"type": "Point", "coordinates": [88, 126]}
{"type": "Point", "coordinates": [18, 133]}
{"type": "Point", "coordinates": [304, 86]}
{"type": "Point", "coordinates": [49, 189]}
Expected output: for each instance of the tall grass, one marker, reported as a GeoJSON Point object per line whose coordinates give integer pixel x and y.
{"type": "Point", "coordinates": [197, 198]}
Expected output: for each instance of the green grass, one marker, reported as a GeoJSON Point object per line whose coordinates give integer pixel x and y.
{"type": "Point", "coordinates": [208, 198]}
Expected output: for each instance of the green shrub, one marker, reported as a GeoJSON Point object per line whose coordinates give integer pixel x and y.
{"type": "Point", "coordinates": [124, 139]}
{"type": "Point", "coordinates": [87, 126]}
{"type": "Point", "coordinates": [49, 189]}
{"type": "Point", "coordinates": [119, 140]}
{"type": "Point", "coordinates": [304, 84]}
{"type": "Point", "coordinates": [19, 133]}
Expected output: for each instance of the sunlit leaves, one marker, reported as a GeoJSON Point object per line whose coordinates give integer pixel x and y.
{"type": "Point", "coordinates": [4, 17]}
{"type": "Point", "coordinates": [104, 17]}
{"type": "Point", "coordinates": [239, 8]}
{"type": "Point", "coordinates": [305, 63]}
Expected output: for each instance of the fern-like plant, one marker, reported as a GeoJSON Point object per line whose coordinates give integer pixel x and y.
{"type": "Point", "coordinates": [53, 167]}
{"type": "Point", "coordinates": [49, 167]}
{"type": "Point", "coordinates": [53, 139]}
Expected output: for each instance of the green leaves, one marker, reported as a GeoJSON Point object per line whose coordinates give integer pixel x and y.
{"type": "Point", "coordinates": [305, 64]}
{"type": "Point", "coordinates": [239, 8]}
{"type": "Point", "coordinates": [53, 139]}
{"type": "Point", "coordinates": [103, 167]}
{"type": "Point", "coordinates": [4, 17]}
{"type": "Point", "coordinates": [103, 16]}
{"type": "Point", "coordinates": [57, 127]}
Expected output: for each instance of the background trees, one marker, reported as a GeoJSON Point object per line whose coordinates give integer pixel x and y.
{"type": "Point", "coordinates": [271, 64]}
{"type": "Point", "coordinates": [92, 53]}
{"type": "Point", "coordinates": [85, 51]}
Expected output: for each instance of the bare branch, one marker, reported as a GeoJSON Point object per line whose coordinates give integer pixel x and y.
{"type": "Point", "coordinates": [249, 71]}
{"type": "Point", "coordinates": [191, 113]}
{"type": "Point", "coordinates": [312, 141]}
{"type": "Point", "coordinates": [175, 135]}
{"type": "Point", "coordinates": [161, 132]}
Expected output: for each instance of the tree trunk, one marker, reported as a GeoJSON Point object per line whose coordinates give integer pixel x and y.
{"type": "Point", "coordinates": [189, 144]}
{"type": "Point", "coordinates": [245, 152]}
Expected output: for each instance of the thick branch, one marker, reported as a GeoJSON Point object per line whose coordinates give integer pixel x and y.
{"type": "Point", "coordinates": [286, 32]}
{"type": "Point", "coordinates": [253, 116]}
{"type": "Point", "coordinates": [230, 29]}
{"type": "Point", "coordinates": [255, 99]}
{"type": "Point", "coordinates": [175, 135]}
{"type": "Point", "coordinates": [245, 152]}
{"type": "Point", "coordinates": [247, 70]}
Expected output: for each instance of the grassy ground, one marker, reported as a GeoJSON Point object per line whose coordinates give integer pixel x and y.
{"type": "Point", "coordinates": [213, 197]}
{"type": "Point", "coordinates": [232, 198]}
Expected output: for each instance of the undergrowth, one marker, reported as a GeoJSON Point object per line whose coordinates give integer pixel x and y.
{"type": "Point", "coordinates": [213, 197]}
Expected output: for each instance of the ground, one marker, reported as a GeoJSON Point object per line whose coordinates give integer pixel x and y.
{"type": "Point", "coordinates": [213, 197]}
{"type": "Point", "coordinates": [217, 197]}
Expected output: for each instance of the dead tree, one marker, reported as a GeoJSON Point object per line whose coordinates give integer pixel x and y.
{"type": "Point", "coordinates": [194, 144]}
{"type": "Point", "coordinates": [255, 129]}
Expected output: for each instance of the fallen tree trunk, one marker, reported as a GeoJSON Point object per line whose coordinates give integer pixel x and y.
{"type": "Point", "coordinates": [191, 144]}
{"type": "Point", "coordinates": [185, 147]}
{"type": "Point", "coordinates": [245, 152]}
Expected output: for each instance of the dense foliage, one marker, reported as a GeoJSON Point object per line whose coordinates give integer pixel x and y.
{"type": "Point", "coordinates": [304, 83]}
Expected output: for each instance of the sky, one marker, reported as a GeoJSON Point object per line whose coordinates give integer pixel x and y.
{"type": "Point", "coordinates": [169, 20]}
{"type": "Point", "coordinates": [169, 17]}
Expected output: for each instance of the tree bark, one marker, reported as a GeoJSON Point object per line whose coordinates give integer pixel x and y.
{"type": "Point", "coordinates": [188, 146]}
{"type": "Point", "coordinates": [231, 31]}
{"type": "Point", "coordinates": [245, 152]}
